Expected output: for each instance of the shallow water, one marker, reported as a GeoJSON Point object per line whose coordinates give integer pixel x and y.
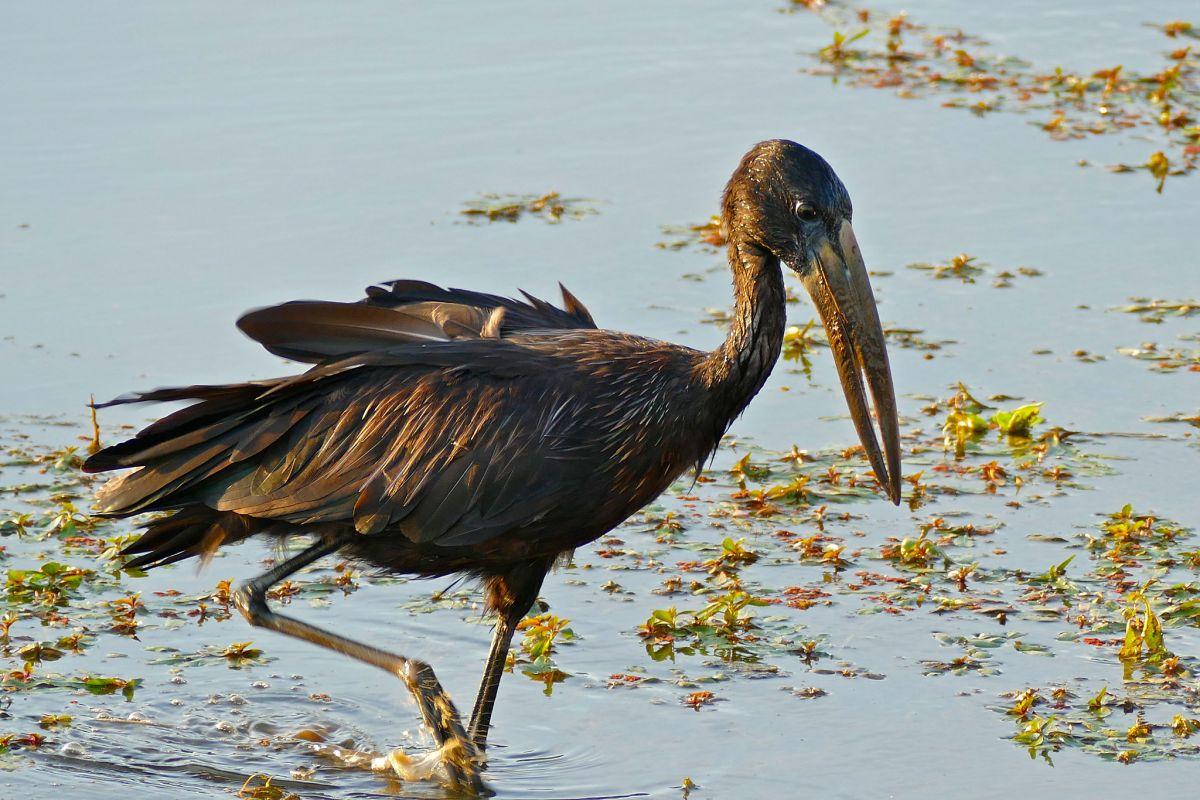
{"type": "Point", "coordinates": [174, 167]}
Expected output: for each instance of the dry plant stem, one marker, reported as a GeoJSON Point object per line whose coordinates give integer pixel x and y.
{"type": "Point", "coordinates": [435, 706]}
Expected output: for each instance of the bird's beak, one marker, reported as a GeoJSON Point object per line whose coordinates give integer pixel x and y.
{"type": "Point", "coordinates": [836, 279]}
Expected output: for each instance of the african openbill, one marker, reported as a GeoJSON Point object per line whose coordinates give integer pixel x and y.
{"type": "Point", "coordinates": [447, 431]}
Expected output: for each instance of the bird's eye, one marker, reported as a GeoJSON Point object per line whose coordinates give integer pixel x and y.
{"type": "Point", "coordinates": [806, 212]}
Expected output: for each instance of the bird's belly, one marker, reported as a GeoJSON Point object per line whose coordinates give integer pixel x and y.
{"type": "Point", "coordinates": [597, 510]}
{"type": "Point", "coordinates": [583, 517]}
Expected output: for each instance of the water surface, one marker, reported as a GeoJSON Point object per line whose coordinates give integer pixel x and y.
{"type": "Point", "coordinates": [167, 167]}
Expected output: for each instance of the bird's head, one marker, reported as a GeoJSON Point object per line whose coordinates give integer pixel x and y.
{"type": "Point", "coordinates": [786, 200]}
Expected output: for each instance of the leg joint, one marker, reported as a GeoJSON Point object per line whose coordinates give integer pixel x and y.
{"type": "Point", "coordinates": [419, 675]}
{"type": "Point", "coordinates": [251, 600]}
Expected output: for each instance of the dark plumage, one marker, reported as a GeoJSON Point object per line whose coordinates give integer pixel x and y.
{"type": "Point", "coordinates": [443, 430]}
{"type": "Point", "coordinates": [471, 452]}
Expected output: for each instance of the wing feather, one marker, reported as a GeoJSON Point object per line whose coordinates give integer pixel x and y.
{"type": "Point", "coordinates": [438, 442]}
{"type": "Point", "coordinates": [402, 312]}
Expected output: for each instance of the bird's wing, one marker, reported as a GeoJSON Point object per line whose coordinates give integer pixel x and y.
{"type": "Point", "coordinates": [402, 312]}
{"type": "Point", "coordinates": [448, 442]}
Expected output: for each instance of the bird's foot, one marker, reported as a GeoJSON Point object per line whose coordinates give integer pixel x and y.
{"type": "Point", "coordinates": [457, 758]}
{"type": "Point", "coordinates": [452, 765]}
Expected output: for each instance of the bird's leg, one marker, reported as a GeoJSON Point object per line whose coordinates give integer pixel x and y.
{"type": "Point", "coordinates": [481, 717]}
{"type": "Point", "coordinates": [458, 755]}
{"type": "Point", "coordinates": [513, 596]}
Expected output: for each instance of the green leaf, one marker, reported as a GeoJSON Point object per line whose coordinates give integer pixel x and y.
{"type": "Point", "coordinates": [1034, 649]}
{"type": "Point", "coordinates": [1019, 421]}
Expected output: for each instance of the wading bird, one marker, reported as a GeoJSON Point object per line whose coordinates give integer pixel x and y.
{"type": "Point", "coordinates": [447, 431]}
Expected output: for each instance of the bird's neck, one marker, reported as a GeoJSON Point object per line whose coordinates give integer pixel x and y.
{"type": "Point", "coordinates": [735, 371]}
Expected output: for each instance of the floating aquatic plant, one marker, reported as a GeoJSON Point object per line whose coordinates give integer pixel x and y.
{"type": "Point", "coordinates": [962, 266]}
{"type": "Point", "coordinates": [708, 235]}
{"type": "Point", "coordinates": [259, 787]}
{"type": "Point", "coordinates": [552, 207]}
{"type": "Point", "coordinates": [913, 60]}
{"type": "Point", "coordinates": [755, 561]}
{"type": "Point", "coordinates": [1157, 311]}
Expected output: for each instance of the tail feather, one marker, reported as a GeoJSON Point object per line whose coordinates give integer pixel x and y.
{"type": "Point", "coordinates": [217, 411]}
{"type": "Point", "coordinates": [169, 465]}
{"type": "Point", "coordinates": [195, 531]}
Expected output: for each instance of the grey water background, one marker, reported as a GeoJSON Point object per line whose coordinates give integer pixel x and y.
{"type": "Point", "coordinates": [177, 164]}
